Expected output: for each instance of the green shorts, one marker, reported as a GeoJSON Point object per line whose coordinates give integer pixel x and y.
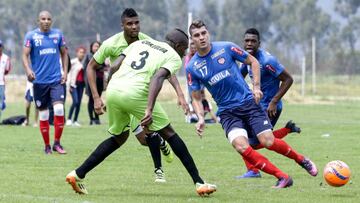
{"type": "Point", "coordinates": [121, 107]}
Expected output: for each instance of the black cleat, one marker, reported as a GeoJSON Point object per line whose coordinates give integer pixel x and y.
{"type": "Point", "coordinates": [292, 127]}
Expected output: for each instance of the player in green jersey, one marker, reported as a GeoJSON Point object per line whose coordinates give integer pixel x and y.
{"type": "Point", "coordinates": [138, 77]}
{"type": "Point", "coordinates": [112, 48]}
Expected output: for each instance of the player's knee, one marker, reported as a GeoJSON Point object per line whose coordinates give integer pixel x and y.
{"type": "Point", "coordinates": [239, 139]}
{"type": "Point", "coordinates": [44, 115]}
{"type": "Point", "coordinates": [266, 138]}
{"type": "Point", "coordinates": [59, 109]}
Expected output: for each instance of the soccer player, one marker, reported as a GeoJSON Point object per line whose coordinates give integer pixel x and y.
{"type": "Point", "coordinates": [272, 73]}
{"type": "Point", "coordinates": [133, 90]}
{"type": "Point", "coordinates": [214, 65]}
{"type": "Point", "coordinates": [112, 48]}
{"type": "Point", "coordinates": [45, 47]}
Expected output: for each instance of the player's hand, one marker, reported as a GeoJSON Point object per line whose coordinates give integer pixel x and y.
{"type": "Point", "coordinates": [71, 89]}
{"type": "Point", "coordinates": [182, 102]}
{"type": "Point", "coordinates": [146, 120]}
{"type": "Point", "coordinates": [257, 94]}
{"type": "Point", "coordinates": [30, 76]}
{"type": "Point", "coordinates": [271, 110]}
{"type": "Point", "coordinates": [200, 126]}
{"type": "Point", "coordinates": [99, 106]}
{"type": "Point", "coordinates": [63, 78]}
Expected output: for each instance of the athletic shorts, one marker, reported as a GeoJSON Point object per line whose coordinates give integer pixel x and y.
{"type": "Point", "coordinates": [121, 107]}
{"type": "Point", "coordinates": [249, 116]}
{"type": "Point", "coordinates": [46, 94]}
{"type": "Point", "coordinates": [28, 96]}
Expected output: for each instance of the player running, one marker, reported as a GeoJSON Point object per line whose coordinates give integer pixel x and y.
{"type": "Point", "coordinates": [214, 65]}
{"type": "Point", "coordinates": [133, 90]}
{"type": "Point", "coordinates": [272, 73]}
{"type": "Point", "coordinates": [45, 47]}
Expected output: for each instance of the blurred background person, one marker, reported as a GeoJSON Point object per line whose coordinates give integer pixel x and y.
{"type": "Point", "coordinates": [76, 84]}
{"type": "Point", "coordinates": [94, 118]}
{"type": "Point", "coordinates": [29, 98]}
{"type": "Point", "coordinates": [5, 67]}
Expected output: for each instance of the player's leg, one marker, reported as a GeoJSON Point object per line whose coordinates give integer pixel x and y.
{"type": "Point", "coordinates": [42, 100]}
{"type": "Point", "coordinates": [57, 99]}
{"type": "Point", "coordinates": [80, 92]}
{"type": "Point", "coordinates": [28, 99]}
{"type": "Point", "coordinates": [74, 97]}
{"type": "Point", "coordinates": [118, 127]}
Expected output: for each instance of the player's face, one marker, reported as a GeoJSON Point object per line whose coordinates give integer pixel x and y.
{"type": "Point", "coordinates": [131, 27]}
{"type": "Point", "coordinates": [201, 38]}
{"type": "Point", "coordinates": [251, 43]}
{"type": "Point", "coordinates": [180, 49]}
{"type": "Point", "coordinates": [45, 21]}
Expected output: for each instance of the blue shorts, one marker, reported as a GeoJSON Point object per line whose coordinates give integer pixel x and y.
{"type": "Point", "coordinates": [28, 96]}
{"type": "Point", "coordinates": [46, 94]}
{"type": "Point", "coordinates": [249, 116]}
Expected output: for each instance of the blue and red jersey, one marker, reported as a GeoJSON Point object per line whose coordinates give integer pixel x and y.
{"type": "Point", "coordinates": [270, 69]}
{"type": "Point", "coordinates": [219, 73]}
{"type": "Point", "coordinates": [45, 54]}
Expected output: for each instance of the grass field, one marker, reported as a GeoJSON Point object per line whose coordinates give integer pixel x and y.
{"type": "Point", "coordinates": [28, 175]}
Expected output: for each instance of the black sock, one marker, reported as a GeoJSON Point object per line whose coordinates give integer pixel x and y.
{"type": "Point", "coordinates": [107, 147]}
{"type": "Point", "coordinates": [181, 151]}
{"type": "Point", "coordinates": [153, 142]}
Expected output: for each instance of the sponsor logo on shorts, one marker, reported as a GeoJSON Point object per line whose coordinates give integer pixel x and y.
{"type": "Point", "coordinates": [266, 122]}
{"type": "Point", "coordinates": [62, 96]}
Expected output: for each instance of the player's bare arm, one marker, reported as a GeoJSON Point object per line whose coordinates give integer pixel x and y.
{"type": "Point", "coordinates": [115, 66]}
{"type": "Point", "coordinates": [26, 64]}
{"type": "Point", "coordinates": [64, 62]}
{"type": "Point", "coordinates": [286, 82]}
{"type": "Point", "coordinates": [181, 99]}
{"type": "Point", "coordinates": [255, 68]}
{"type": "Point", "coordinates": [91, 75]}
{"type": "Point", "coordinates": [199, 110]}
{"type": "Point", "coordinates": [154, 89]}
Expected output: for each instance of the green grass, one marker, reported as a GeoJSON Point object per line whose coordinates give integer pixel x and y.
{"type": "Point", "coordinates": [27, 175]}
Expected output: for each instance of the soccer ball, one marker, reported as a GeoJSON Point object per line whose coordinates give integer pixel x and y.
{"type": "Point", "coordinates": [337, 173]}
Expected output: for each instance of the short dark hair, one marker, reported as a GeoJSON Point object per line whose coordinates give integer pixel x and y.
{"type": "Point", "coordinates": [253, 31]}
{"type": "Point", "coordinates": [128, 13]}
{"type": "Point", "coordinates": [177, 36]}
{"type": "Point", "coordinates": [196, 24]}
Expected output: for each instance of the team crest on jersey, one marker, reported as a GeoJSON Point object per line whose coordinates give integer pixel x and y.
{"type": "Point", "coordinates": [221, 60]}
{"type": "Point", "coordinates": [55, 41]}
{"type": "Point", "coordinates": [270, 68]}
{"type": "Point", "coordinates": [38, 103]}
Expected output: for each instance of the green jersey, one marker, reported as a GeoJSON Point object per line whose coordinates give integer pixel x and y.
{"type": "Point", "coordinates": [142, 60]}
{"type": "Point", "coordinates": [113, 47]}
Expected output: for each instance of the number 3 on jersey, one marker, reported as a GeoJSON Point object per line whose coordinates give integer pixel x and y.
{"type": "Point", "coordinates": [144, 55]}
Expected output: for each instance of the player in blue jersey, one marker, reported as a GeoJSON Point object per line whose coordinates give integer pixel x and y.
{"type": "Point", "coordinates": [45, 47]}
{"type": "Point", "coordinates": [214, 65]}
{"type": "Point", "coordinates": [272, 73]}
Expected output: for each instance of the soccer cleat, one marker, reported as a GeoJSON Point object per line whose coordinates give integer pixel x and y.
{"type": "Point", "coordinates": [159, 176]}
{"type": "Point", "coordinates": [48, 149]}
{"type": "Point", "coordinates": [205, 189]}
{"type": "Point", "coordinates": [58, 148]}
{"type": "Point", "coordinates": [249, 174]}
{"type": "Point", "coordinates": [284, 183]}
{"type": "Point", "coordinates": [76, 124]}
{"type": "Point", "coordinates": [309, 166]}
{"type": "Point", "coordinates": [292, 127]}
{"type": "Point", "coordinates": [68, 122]}
{"type": "Point", "coordinates": [167, 152]}
{"type": "Point", "coordinates": [76, 183]}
